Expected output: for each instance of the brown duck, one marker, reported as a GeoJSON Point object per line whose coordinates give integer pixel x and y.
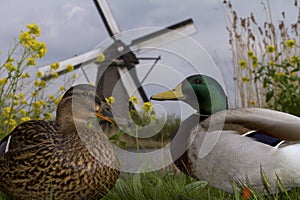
{"type": "Point", "coordinates": [69, 158]}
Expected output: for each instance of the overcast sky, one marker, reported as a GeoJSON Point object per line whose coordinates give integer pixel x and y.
{"type": "Point", "coordinates": [70, 27]}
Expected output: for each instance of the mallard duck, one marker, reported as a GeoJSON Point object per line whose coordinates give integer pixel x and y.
{"type": "Point", "coordinates": [234, 148]}
{"type": "Point", "coordinates": [63, 159]}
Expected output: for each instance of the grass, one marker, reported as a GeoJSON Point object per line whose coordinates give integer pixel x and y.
{"type": "Point", "coordinates": [157, 185]}
{"type": "Point", "coordinates": [163, 185]}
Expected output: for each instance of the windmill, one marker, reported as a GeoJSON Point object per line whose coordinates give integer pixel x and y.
{"type": "Point", "coordinates": [119, 66]}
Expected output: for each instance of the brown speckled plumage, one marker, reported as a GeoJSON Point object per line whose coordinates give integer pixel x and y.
{"type": "Point", "coordinates": [47, 161]}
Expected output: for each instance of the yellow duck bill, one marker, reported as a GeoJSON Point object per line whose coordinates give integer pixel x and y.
{"type": "Point", "coordinates": [175, 94]}
{"type": "Point", "coordinates": [105, 118]}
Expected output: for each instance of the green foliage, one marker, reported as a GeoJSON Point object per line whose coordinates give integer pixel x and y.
{"type": "Point", "coordinates": [280, 80]}
{"type": "Point", "coordinates": [4, 197]}
{"type": "Point", "coordinates": [23, 95]}
{"type": "Point", "coordinates": [117, 140]}
{"type": "Point", "coordinates": [163, 136]}
{"type": "Point", "coordinates": [265, 58]}
{"type": "Point", "coordinates": [141, 118]}
{"type": "Point", "coordinates": [170, 127]}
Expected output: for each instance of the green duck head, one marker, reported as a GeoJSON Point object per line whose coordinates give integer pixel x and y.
{"type": "Point", "coordinates": [201, 92]}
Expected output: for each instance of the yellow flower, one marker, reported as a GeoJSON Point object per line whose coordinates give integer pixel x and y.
{"type": "Point", "coordinates": [293, 74]}
{"type": "Point", "coordinates": [147, 107]}
{"type": "Point", "coordinates": [74, 76]}
{"type": "Point", "coordinates": [3, 81]}
{"type": "Point", "coordinates": [43, 83]}
{"type": "Point", "coordinates": [34, 93]}
{"type": "Point", "coordinates": [54, 66]}
{"type": "Point", "coordinates": [10, 59]}
{"type": "Point", "coordinates": [48, 116]}
{"type": "Point", "coordinates": [250, 53]}
{"type": "Point", "coordinates": [153, 117]}
{"type": "Point", "coordinates": [37, 104]}
{"type": "Point", "coordinates": [37, 83]}
{"type": "Point", "coordinates": [280, 74]}
{"type": "Point", "coordinates": [252, 103]}
{"type": "Point", "coordinates": [25, 119]}
{"type": "Point", "coordinates": [31, 61]}
{"type": "Point", "coordinates": [245, 79]}
{"type": "Point", "coordinates": [243, 64]}
{"type": "Point", "coordinates": [254, 61]}
{"type": "Point", "coordinates": [270, 49]}
{"type": "Point", "coordinates": [110, 100]}
{"type": "Point", "coordinates": [16, 102]}
{"type": "Point", "coordinates": [51, 97]}
{"type": "Point", "coordinates": [62, 88]}
{"type": "Point", "coordinates": [22, 112]}
{"type": "Point", "coordinates": [271, 63]}
{"type": "Point", "coordinates": [70, 68]}
{"type": "Point", "coordinates": [21, 96]}
{"type": "Point", "coordinates": [41, 50]}
{"type": "Point", "coordinates": [25, 39]}
{"type": "Point", "coordinates": [26, 75]}
{"type": "Point", "coordinates": [34, 29]}
{"type": "Point", "coordinates": [12, 123]}
{"type": "Point", "coordinates": [133, 100]}
{"type": "Point", "coordinates": [23, 102]}
{"type": "Point", "coordinates": [11, 95]}
{"type": "Point", "coordinates": [294, 59]}
{"type": "Point", "coordinates": [58, 100]}
{"type": "Point", "coordinates": [290, 43]}
{"type": "Point", "coordinates": [100, 58]}
{"type": "Point", "coordinates": [7, 110]}
{"type": "Point", "coordinates": [37, 45]}
{"type": "Point", "coordinates": [10, 67]}
{"type": "Point", "coordinates": [43, 102]}
{"type": "Point", "coordinates": [55, 75]}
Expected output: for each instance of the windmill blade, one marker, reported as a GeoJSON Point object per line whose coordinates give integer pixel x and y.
{"type": "Point", "coordinates": [164, 36]}
{"type": "Point", "coordinates": [131, 87]}
{"type": "Point", "coordinates": [107, 17]}
{"type": "Point", "coordinates": [77, 61]}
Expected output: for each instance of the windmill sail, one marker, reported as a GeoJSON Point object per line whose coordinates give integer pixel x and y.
{"type": "Point", "coordinates": [77, 61]}
{"type": "Point", "coordinates": [152, 40]}
{"type": "Point", "coordinates": [107, 17]}
{"type": "Point", "coordinates": [118, 72]}
{"type": "Point", "coordinates": [164, 36]}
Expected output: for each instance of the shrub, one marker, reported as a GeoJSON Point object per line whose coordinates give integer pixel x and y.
{"type": "Point", "coordinates": [265, 59]}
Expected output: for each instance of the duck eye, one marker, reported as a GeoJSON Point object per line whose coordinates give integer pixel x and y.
{"type": "Point", "coordinates": [198, 81]}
